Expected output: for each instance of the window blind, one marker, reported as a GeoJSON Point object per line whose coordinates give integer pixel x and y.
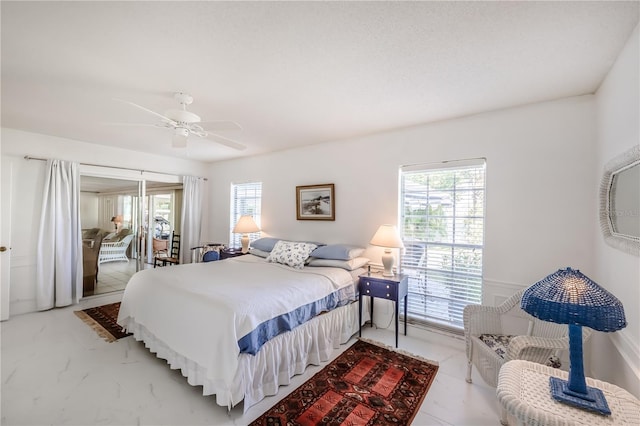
{"type": "Point", "coordinates": [246, 199]}
{"type": "Point", "coordinates": [442, 227]}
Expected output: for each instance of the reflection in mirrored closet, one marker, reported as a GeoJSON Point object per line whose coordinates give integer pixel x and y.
{"type": "Point", "coordinates": [120, 219]}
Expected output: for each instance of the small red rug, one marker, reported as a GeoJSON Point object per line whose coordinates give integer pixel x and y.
{"type": "Point", "coordinates": [103, 320]}
{"type": "Point", "coordinates": [368, 384]}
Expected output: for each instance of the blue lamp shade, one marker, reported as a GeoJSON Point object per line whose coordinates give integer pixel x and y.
{"type": "Point", "coordinates": [569, 297]}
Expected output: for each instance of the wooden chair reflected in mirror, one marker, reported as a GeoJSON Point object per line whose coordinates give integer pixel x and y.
{"type": "Point", "coordinates": [160, 247]}
{"type": "Point", "coordinates": [174, 256]}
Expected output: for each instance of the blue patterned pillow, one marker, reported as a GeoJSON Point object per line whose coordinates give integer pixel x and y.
{"type": "Point", "coordinates": [291, 253]}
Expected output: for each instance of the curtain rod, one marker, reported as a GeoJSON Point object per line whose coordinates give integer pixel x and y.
{"type": "Point", "coordinates": [28, 157]}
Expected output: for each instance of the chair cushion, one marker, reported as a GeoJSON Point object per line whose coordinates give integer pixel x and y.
{"type": "Point", "coordinates": [210, 256]}
{"type": "Point", "coordinates": [497, 342]}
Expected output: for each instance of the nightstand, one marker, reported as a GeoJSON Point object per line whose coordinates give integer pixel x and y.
{"type": "Point", "coordinates": [230, 252]}
{"type": "Point", "coordinates": [393, 288]}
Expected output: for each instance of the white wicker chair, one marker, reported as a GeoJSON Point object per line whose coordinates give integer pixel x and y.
{"type": "Point", "coordinates": [535, 341]}
{"type": "Point", "coordinates": [115, 251]}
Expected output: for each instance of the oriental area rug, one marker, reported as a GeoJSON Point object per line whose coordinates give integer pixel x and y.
{"type": "Point", "coordinates": [368, 384]}
{"type": "Point", "coordinates": [103, 320]}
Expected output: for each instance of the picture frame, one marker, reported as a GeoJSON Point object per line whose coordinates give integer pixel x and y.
{"type": "Point", "coordinates": [316, 202]}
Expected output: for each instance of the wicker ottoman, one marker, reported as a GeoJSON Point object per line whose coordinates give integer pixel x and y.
{"type": "Point", "coordinates": [523, 393]}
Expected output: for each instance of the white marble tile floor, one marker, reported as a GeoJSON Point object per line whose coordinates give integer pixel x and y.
{"type": "Point", "coordinates": [57, 371]}
{"type": "Point", "coordinates": [114, 276]}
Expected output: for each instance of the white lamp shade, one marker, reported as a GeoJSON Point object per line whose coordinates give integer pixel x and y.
{"type": "Point", "coordinates": [245, 225]}
{"type": "Point", "coordinates": [387, 236]}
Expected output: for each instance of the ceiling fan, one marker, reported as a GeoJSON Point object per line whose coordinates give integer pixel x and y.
{"type": "Point", "coordinates": [184, 123]}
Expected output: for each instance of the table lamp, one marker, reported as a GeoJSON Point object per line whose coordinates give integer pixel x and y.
{"type": "Point", "coordinates": [117, 221]}
{"type": "Point", "coordinates": [387, 236]}
{"type": "Point", "coordinates": [569, 297]}
{"type": "Point", "coordinates": [245, 225]}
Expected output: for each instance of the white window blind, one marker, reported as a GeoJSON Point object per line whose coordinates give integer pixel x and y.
{"type": "Point", "coordinates": [442, 227]}
{"type": "Point", "coordinates": [246, 199]}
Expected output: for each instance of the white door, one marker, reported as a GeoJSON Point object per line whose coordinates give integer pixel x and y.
{"type": "Point", "coordinates": [5, 237]}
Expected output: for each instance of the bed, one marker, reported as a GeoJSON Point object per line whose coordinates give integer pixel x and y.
{"type": "Point", "coordinates": [242, 327]}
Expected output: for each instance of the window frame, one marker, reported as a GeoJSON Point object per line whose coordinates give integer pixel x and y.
{"type": "Point", "coordinates": [244, 205]}
{"type": "Point", "coordinates": [460, 284]}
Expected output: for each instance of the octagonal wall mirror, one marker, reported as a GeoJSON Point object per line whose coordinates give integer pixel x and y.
{"type": "Point", "coordinates": [620, 202]}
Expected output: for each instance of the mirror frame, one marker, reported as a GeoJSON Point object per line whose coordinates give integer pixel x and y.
{"type": "Point", "coordinates": [626, 243]}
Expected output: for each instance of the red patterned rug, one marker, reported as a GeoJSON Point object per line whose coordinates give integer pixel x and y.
{"type": "Point", "coordinates": [368, 384]}
{"type": "Point", "coordinates": [103, 319]}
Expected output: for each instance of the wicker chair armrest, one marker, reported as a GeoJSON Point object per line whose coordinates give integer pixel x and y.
{"type": "Point", "coordinates": [523, 347]}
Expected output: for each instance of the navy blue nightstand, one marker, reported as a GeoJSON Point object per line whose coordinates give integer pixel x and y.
{"type": "Point", "coordinates": [393, 288]}
{"type": "Point", "coordinates": [230, 252]}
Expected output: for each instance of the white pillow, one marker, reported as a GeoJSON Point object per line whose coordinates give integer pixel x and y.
{"type": "Point", "coordinates": [291, 253]}
{"type": "Point", "coordinates": [338, 252]}
{"type": "Point", "coordinates": [349, 265]}
{"type": "Point", "coordinates": [258, 252]}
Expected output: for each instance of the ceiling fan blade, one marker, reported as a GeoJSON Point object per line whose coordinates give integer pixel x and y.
{"type": "Point", "coordinates": [227, 142]}
{"type": "Point", "coordinates": [167, 119]}
{"type": "Point", "coordinates": [220, 125]}
{"type": "Point", "coordinates": [132, 124]}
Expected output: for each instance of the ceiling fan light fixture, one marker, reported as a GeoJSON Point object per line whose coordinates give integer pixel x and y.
{"type": "Point", "coordinates": [180, 138]}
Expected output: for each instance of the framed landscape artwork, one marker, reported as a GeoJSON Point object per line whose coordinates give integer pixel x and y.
{"type": "Point", "coordinates": [315, 202]}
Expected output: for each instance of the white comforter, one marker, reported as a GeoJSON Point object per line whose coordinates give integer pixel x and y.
{"type": "Point", "coordinates": [201, 310]}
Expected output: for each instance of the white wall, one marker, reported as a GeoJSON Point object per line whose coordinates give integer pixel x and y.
{"type": "Point", "coordinates": [540, 185]}
{"type": "Point", "coordinates": [89, 210]}
{"type": "Point", "coordinates": [28, 180]}
{"type": "Point", "coordinates": [618, 129]}
{"type": "Point", "coordinates": [541, 189]}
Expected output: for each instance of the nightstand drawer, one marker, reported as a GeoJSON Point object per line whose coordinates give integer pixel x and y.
{"type": "Point", "coordinates": [380, 289]}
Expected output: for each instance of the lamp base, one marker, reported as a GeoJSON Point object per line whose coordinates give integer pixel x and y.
{"type": "Point", "coordinates": [245, 243]}
{"type": "Point", "coordinates": [387, 262]}
{"type": "Point", "coordinates": [593, 400]}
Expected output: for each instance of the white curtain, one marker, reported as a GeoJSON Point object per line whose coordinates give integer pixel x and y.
{"type": "Point", "coordinates": [59, 253]}
{"type": "Point", "coordinates": [192, 203]}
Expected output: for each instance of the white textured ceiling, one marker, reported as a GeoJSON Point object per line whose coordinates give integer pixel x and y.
{"type": "Point", "coordinates": [293, 73]}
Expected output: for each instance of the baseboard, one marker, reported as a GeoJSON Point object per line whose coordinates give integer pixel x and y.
{"type": "Point", "coordinates": [628, 349]}
{"type": "Point", "coordinates": [19, 307]}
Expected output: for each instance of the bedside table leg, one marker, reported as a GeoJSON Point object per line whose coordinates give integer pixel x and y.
{"type": "Point", "coordinates": [371, 310]}
{"type": "Point", "coordinates": [397, 314]}
{"type": "Point", "coordinates": [405, 315]}
{"type": "Point", "coordinates": [360, 316]}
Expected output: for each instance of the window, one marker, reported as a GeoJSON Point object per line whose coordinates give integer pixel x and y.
{"type": "Point", "coordinates": [442, 226]}
{"type": "Point", "coordinates": [246, 198]}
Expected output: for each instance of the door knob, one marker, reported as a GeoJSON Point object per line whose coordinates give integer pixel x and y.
{"type": "Point", "coordinates": [3, 248]}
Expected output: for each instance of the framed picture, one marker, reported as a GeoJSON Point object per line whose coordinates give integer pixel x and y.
{"type": "Point", "coordinates": [315, 202]}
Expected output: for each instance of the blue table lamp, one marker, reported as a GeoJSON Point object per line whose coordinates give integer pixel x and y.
{"type": "Point", "coordinates": [569, 297]}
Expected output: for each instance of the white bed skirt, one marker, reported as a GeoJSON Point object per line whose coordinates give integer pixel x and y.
{"type": "Point", "coordinates": [273, 366]}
